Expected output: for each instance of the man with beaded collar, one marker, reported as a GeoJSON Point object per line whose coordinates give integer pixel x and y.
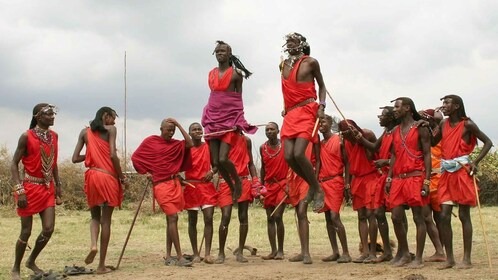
{"type": "Point", "coordinates": [299, 73]}
{"type": "Point", "coordinates": [36, 193]}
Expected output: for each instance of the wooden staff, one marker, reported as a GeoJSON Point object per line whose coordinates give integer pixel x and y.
{"type": "Point", "coordinates": [315, 127]}
{"type": "Point", "coordinates": [200, 247]}
{"type": "Point", "coordinates": [219, 132]}
{"type": "Point", "coordinates": [337, 107]}
{"type": "Point", "coordinates": [132, 224]}
{"type": "Point", "coordinates": [187, 183]}
{"type": "Point", "coordinates": [279, 204]}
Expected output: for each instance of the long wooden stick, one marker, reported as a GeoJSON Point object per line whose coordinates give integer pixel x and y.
{"type": "Point", "coordinates": [132, 224]}
{"type": "Point", "coordinates": [337, 107]}
{"type": "Point", "coordinates": [200, 247]}
{"type": "Point", "coordinates": [219, 132]}
{"type": "Point", "coordinates": [315, 127]}
{"type": "Point", "coordinates": [482, 221]}
{"type": "Point", "coordinates": [279, 204]}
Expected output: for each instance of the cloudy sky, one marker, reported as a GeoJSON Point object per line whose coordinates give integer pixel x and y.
{"type": "Point", "coordinates": [71, 53]}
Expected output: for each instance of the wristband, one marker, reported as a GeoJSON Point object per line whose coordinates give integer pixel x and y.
{"type": "Point", "coordinates": [323, 103]}
{"type": "Point", "coordinates": [18, 187]}
{"type": "Point", "coordinates": [389, 180]}
{"type": "Point", "coordinates": [20, 191]}
{"type": "Point", "coordinates": [427, 182]}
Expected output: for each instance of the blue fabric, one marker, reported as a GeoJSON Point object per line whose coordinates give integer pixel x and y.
{"type": "Point", "coordinates": [453, 165]}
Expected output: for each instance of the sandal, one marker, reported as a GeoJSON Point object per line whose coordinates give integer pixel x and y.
{"type": "Point", "coordinates": [77, 270]}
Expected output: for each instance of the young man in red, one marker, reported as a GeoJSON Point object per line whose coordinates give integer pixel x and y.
{"type": "Point", "coordinates": [36, 192]}
{"type": "Point", "coordinates": [273, 177]}
{"type": "Point", "coordinates": [362, 176]}
{"type": "Point", "coordinates": [241, 155]}
{"type": "Point", "coordinates": [331, 178]}
{"type": "Point", "coordinates": [103, 179]}
{"type": "Point", "coordinates": [458, 135]}
{"type": "Point", "coordinates": [409, 179]}
{"type": "Point", "coordinates": [200, 193]}
{"type": "Point", "coordinates": [223, 116]}
{"type": "Point", "coordinates": [299, 73]}
{"type": "Point", "coordinates": [162, 157]}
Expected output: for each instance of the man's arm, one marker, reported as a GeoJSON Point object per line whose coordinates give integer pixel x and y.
{"type": "Point", "coordinates": [14, 167]}
{"type": "Point", "coordinates": [372, 146]}
{"type": "Point", "coordinates": [251, 166]}
{"type": "Point", "coordinates": [424, 138]}
{"type": "Point", "coordinates": [237, 80]}
{"type": "Point", "coordinates": [370, 136]}
{"type": "Point", "coordinates": [474, 129]}
{"type": "Point", "coordinates": [262, 171]}
{"type": "Point", "coordinates": [188, 141]}
{"type": "Point", "coordinates": [318, 162]}
{"type": "Point", "coordinates": [438, 135]}
{"type": "Point", "coordinates": [77, 156]}
{"type": "Point", "coordinates": [114, 156]}
{"type": "Point", "coordinates": [322, 90]}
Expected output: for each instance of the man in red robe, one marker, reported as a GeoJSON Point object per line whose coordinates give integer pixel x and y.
{"type": "Point", "coordinates": [273, 177]}
{"type": "Point", "coordinates": [223, 116]}
{"type": "Point", "coordinates": [103, 179]}
{"type": "Point", "coordinates": [162, 158]}
{"type": "Point", "coordinates": [200, 193]}
{"type": "Point", "coordinates": [299, 72]}
{"type": "Point", "coordinates": [458, 135]}
{"type": "Point", "coordinates": [35, 193]}
{"type": "Point", "coordinates": [331, 171]}
{"type": "Point", "coordinates": [409, 179]}
{"type": "Point", "coordinates": [361, 178]}
{"type": "Point", "coordinates": [241, 155]}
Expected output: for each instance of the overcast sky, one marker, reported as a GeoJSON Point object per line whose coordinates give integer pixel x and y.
{"type": "Point", "coordinates": [71, 53]}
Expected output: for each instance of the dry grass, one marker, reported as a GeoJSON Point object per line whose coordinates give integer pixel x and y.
{"type": "Point", "coordinates": [143, 257]}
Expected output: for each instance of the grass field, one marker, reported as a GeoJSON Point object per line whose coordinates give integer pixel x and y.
{"type": "Point", "coordinates": [143, 258]}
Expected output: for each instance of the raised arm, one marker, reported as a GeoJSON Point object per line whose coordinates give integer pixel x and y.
{"type": "Point", "coordinates": [77, 156]}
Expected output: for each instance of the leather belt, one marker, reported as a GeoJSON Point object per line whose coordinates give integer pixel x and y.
{"type": "Point", "coordinates": [36, 180]}
{"type": "Point", "coordinates": [104, 171]}
{"type": "Point", "coordinates": [172, 177]}
{"type": "Point", "coordinates": [414, 173]}
{"type": "Point", "coordinates": [325, 179]}
{"type": "Point", "coordinates": [300, 104]}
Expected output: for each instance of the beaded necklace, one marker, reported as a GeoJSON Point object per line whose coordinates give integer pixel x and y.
{"type": "Point", "coordinates": [265, 148]}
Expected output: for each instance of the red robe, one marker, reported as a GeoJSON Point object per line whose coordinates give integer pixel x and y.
{"type": "Point", "coordinates": [331, 171]}
{"type": "Point", "coordinates": [298, 188]}
{"type": "Point", "coordinates": [240, 158]}
{"type": "Point", "coordinates": [275, 174]}
{"type": "Point", "coordinates": [299, 122]}
{"type": "Point", "coordinates": [163, 159]}
{"type": "Point", "coordinates": [365, 177]}
{"type": "Point", "coordinates": [101, 181]}
{"type": "Point", "coordinates": [409, 158]}
{"type": "Point", "coordinates": [457, 186]}
{"type": "Point", "coordinates": [384, 153]}
{"type": "Point", "coordinates": [38, 195]}
{"type": "Point", "coordinates": [204, 193]}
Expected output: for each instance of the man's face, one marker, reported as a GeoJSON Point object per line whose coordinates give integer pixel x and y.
{"type": "Point", "coordinates": [168, 130]}
{"type": "Point", "coordinates": [222, 53]}
{"type": "Point", "coordinates": [292, 44]}
{"type": "Point", "coordinates": [46, 118]}
{"type": "Point", "coordinates": [448, 106]}
{"type": "Point", "coordinates": [195, 131]}
{"type": "Point", "coordinates": [400, 109]}
{"type": "Point", "coordinates": [109, 118]}
{"type": "Point", "coordinates": [271, 131]}
{"type": "Point", "coordinates": [384, 118]}
{"type": "Point", "coordinates": [325, 126]}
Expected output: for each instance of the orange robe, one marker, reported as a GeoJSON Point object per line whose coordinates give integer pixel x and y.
{"type": "Point", "coordinates": [299, 121]}
{"type": "Point", "coordinates": [457, 186]}
{"type": "Point", "coordinates": [39, 196]}
{"type": "Point", "coordinates": [102, 186]}
{"type": "Point", "coordinates": [240, 158]}
{"type": "Point", "coordinates": [408, 159]}
{"type": "Point", "coordinates": [365, 176]}
{"type": "Point", "coordinates": [331, 171]}
{"type": "Point", "coordinates": [204, 193]}
{"type": "Point", "coordinates": [275, 174]}
{"type": "Point", "coordinates": [435, 177]}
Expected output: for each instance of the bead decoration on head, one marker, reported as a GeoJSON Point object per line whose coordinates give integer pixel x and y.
{"type": "Point", "coordinates": [45, 109]}
{"type": "Point", "coordinates": [303, 48]}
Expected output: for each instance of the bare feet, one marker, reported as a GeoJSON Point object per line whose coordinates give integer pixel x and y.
{"type": "Point", "coordinates": [403, 260]}
{"type": "Point", "coordinates": [331, 258]}
{"type": "Point", "coordinates": [104, 270]}
{"type": "Point", "coordinates": [220, 259]}
{"type": "Point", "coordinates": [436, 258]}
{"type": "Point", "coordinates": [307, 259]}
{"type": "Point", "coordinates": [345, 258]}
{"type": "Point", "coordinates": [464, 265]}
{"type": "Point", "coordinates": [184, 262]}
{"type": "Point", "coordinates": [383, 258]}
{"type": "Point", "coordinates": [360, 259]}
{"type": "Point", "coordinates": [16, 275]}
{"type": "Point", "coordinates": [296, 258]}
{"type": "Point", "coordinates": [31, 265]}
{"type": "Point", "coordinates": [91, 256]}
{"type": "Point", "coordinates": [447, 264]}
{"type": "Point", "coordinates": [279, 256]}
{"type": "Point", "coordinates": [318, 200]}
{"type": "Point", "coordinates": [240, 258]}
{"type": "Point", "coordinates": [208, 259]}
{"type": "Point", "coordinates": [416, 264]}
{"type": "Point", "coordinates": [370, 259]}
{"type": "Point", "coordinates": [271, 256]}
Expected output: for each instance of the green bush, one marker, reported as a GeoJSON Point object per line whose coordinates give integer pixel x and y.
{"type": "Point", "coordinates": [488, 177]}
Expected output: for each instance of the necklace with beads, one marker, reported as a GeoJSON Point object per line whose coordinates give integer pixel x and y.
{"type": "Point", "coordinates": [272, 155]}
{"type": "Point", "coordinates": [43, 134]}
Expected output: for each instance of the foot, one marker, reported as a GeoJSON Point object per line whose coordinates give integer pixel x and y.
{"type": "Point", "coordinates": [403, 261]}
{"type": "Point", "coordinates": [416, 264]}
{"type": "Point", "coordinates": [307, 259]}
{"type": "Point", "coordinates": [331, 258]}
{"type": "Point", "coordinates": [183, 262]}
{"type": "Point", "coordinates": [169, 261]}
{"type": "Point", "coordinates": [253, 251]}
{"type": "Point", "coordinates": [240, 258]}
{"type": "Point", "coordinates": [383, 258]}
{"type": "Point", "coordinates": [91, 256]}
{"type": "Point", "coordinates": [318, 201]}
{"type": "Point", "coordinates": [296, 258]}
{"type": "Point", "coordinates": [279, 256]}
{"type": "Point", "coordinates": [103, 270]}
{"type": "Point", "coordinates": [437, 257]}
{"type": "Point", "coordinates": [220, 259]}
{"type": "Point", "coordinates": [345, 258]}
{"type": "Point", "coordinates": [237, 191]}
{"type": "Point", "coordinates": [196, 259]}
{"type": "Point", "coordinates": [271, 256]}
{"type": "Point", "coordinates": [360, 259]}
{"type": "Point", "coordinates": [31, 265]}
{"type": "Point", "coordinates": [370, 259]}
{"type": "Point", "coordinates": [464, 265]}
{"type": "Point", "coordinates": [208, 259]}
{"type": "Point", "coordinates": [446, 265]}
{"type": "Point", "coordinates": [16, 275]}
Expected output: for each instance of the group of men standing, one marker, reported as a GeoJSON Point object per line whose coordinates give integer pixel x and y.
{"type": "Point", "coordinates": [397, 171]}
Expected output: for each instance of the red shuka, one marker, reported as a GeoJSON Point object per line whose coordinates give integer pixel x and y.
{"type": "Point", "coordinates": [219, 84]}
{"type": "Point", "coordinates": [332, 166]}
{"type": "Point", "coordinates": [275, 173]}
{"type": "Point", "coordinates": [38, 196]}
{"type": "Point", "coordinates": [101, 181]}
